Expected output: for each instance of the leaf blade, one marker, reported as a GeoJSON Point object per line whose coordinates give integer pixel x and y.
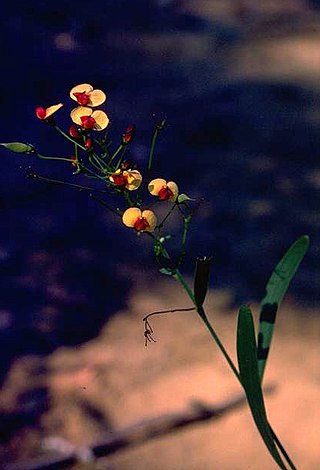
{"type": "Point", "coordinates": [249, 375]}
{"type": "Point", "coordinates": [276, 288]}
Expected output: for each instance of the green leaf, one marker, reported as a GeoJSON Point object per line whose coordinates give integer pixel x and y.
{"type": "Point", "coordinates": [201, 279]}
{"type": "Point", "coordinates": [249, 376]}
{"type": "Point", "coordinates": [19, 147]}
{"type": "Point", "coordinates": [184, 197]}
{"type": "Point", "coordinates": [275, 290]}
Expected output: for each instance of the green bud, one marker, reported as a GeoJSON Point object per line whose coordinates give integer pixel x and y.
{"type": "Point", "coordinates": [19, 147]}
{"type": "Point", "coordinates": [201, 279]}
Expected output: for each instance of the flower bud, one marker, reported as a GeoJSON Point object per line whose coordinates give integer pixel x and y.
{"type": "Point", "coordinates": [74, 161]}
{"type": "Point", "coordinates": [40, 112]}
{"type": "Point", "coordinates": [74, 132]}
{"type": "Point", "coordinates": [88, 143]}
{"type": "Point", "coordinates": [128, 135]}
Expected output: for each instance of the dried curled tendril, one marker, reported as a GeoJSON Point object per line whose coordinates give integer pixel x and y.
{"type": "Point", "coordinates": [148, 330]}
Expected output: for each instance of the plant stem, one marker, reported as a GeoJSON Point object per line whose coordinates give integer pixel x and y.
{"type": "Point", "coordinates": [69, 138]}
{"type": "Point", "coordinates": [167, 216]}
{"type": "Point", "coordinates": [61, 159]}
{"type": "Point", "coordinates": [66, 183]}
{"type": "Point", "coordinates": [121, 157]}
{"type": "Point", "coordinates": [178, 276]}
{"type": "Point", "coordinates": [104, 204]}
{"type": "Point", "coordinates": [115, 153]}
{"type": "Point", "coordinates": [153, 143]}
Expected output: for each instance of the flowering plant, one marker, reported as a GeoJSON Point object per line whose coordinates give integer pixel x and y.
{"type": "Point", "coordinates": [142, 192]}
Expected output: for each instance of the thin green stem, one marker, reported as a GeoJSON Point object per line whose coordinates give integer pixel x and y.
{"type": "Point", "coordinates": [104, 166]}
{"type": "Point", "coordinates": [152, 147]}
{"type": "Point", "coordinates": [115, 153]}
{"type": "Point", "coordinates": [95, 175]}
{"type": "Point", "coordinates": [167, 216]}
{"type": "Point", "coordinates": [61, 159]}
{"type": "Point", "coordinates": [69, 138]}
{"type": "Point", "coordinates": [121, 157]}
{"type": "Point", "coordinates": [104, 204]}
{"type": "Point", "coordinates": [95, 163]}
{"type": "Point", "coordinates": [76, 153]}
{"type": "Point", "coordinates": [103, 147]}
{"type": "Point", "coordinates": [128, 198]}
{"type": "Point", "coordinates": [178, 276]}
{"type": "Point", "coordinates": [186, 223]}
{"type": "Point", "coordinates": [66, 183]}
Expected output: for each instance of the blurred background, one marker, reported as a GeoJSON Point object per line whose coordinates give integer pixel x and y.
{"type": "Point", "coordinates": [238, 82]}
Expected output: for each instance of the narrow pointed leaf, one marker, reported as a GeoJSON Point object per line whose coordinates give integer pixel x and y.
{"type": "Point", "coordinates": [201, 279]}
{"type": "Point", "coordinates": [18, 147]}
{"type": "Point", "coordinates": [184, 197]}
{"type": "Point", "coordinates": [249, 375]}
{"type": "Point", "coordinates": [275, 290]}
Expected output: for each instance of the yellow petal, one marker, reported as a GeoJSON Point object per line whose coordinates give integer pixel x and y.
{"type": "Point", "coordinates": [83, 88]}
{"type": "Point", "coordinates": [174, 188]}
{"type": "Point", "coordinates": [101, 119]}
{"type": "Point", "coordinates": [76, 114]}
{"type": "Point", "coordinates": [134, 178]}
{"type": "Point", "coordinates": [130, 216]}
{"type": "Point", "coordinates": [96, 98]}
{"type": "Point", "coordinates": [151, 218]}
{"type": "Point", "coordinates": [52, 109]}
{"type": "Point", "coordinates": [155, 185]}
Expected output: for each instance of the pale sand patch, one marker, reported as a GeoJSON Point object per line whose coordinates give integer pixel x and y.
{"type": "Point", "coordinates": [129, 383]}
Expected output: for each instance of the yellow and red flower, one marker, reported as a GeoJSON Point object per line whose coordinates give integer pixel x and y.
{"type": "Point", "coordinates": [89, 119]}
{"type": "Point", "coordinates": [129, 179]}
{"type": "Point", "coordinates": [85, 95]}
{"type": "Point", "coordinates": [139, 220]}
{"type": "Point", "coordinates": [45, 113]}
{"type": "Point", "coordinates": [163, 190]}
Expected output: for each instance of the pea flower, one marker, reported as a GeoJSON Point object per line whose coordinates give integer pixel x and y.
{"type": "Point", "coordinates": [163, 190]}
{"type": "Point", "coordinates": [89, 119]}
{"type": "Point", "coordinates": [139, 220]}
{"type": "Point", "coordinates": [85, 95]}
{"type": "Point", "coordinates": [130, 179]}
{"type": "Point", "coordinates": [45, 113]}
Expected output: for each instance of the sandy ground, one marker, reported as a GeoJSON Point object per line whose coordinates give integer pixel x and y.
{"type": "Point", "coordinates": [113, 381]}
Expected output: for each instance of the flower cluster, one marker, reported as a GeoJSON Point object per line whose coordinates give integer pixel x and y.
{"type": "Point", "coordinates": [92, 157]}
